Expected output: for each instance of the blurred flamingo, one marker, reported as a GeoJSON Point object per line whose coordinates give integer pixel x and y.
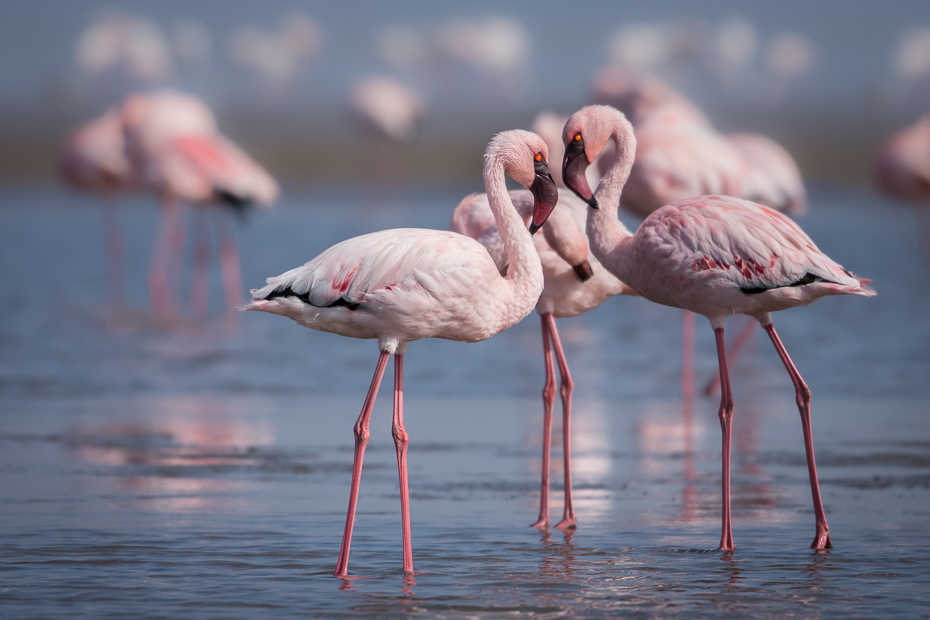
{"type": "Point", "coordinates": [574, 284]}
{"type": "Point", "coordinates": [406, 284]}
{"type": "Point", "coordinates": [176, 150]}
{"type": "Point", "coordinates": [93, 159]}
{"type": "Point", "coordinates": [902, 170]}
{"type": "Point", "coordinates": [712, 255]}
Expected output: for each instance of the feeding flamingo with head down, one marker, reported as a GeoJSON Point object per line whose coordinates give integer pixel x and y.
{"type": "Point", "coordinates": [177, 152]}
{"type": "Point", "coordinates": [407, 284]}
{"type": "Point", "coordinates": [93, 159]}
{"type": "Point", "coordinates": [574, 284]}
{"type": "Point", "coordinates": [712, 255]}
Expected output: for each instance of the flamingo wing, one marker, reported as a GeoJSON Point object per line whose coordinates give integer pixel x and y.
{"type": "Point", "coordinates": [754, 247]}
{"type": "Point", "coordinates": [430, 264]}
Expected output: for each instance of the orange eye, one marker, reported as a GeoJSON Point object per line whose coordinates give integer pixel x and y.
{"type": "Point", "coordinates": [577, 137]}
{"type": "Point", "coordinates": [538, 157]}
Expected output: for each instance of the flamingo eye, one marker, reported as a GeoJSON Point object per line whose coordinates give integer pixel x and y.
{"type": "Point", "coordinates": [538, 157]}
{"type": "Point", "coordinates": [577, 137]}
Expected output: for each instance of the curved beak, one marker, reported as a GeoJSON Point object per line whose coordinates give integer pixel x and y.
{"type": "Point", "coordinates": [574, 166]}
{"type": "Point", "coordinates": [545, 196]}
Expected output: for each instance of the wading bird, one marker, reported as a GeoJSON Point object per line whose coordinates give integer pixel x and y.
{"type": "Point", "coordinates": [407, 284]}
{"type": "Point", "coordinates": [712, 255]}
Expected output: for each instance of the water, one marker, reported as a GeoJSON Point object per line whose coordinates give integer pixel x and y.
{"type": "Point", "coordinates": [159, 468]}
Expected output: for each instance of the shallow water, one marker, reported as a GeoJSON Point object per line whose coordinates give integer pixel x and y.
{"type": "Point", "coordinates": [154, 468]}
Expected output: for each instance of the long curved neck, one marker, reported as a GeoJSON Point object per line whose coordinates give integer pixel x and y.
{"type": "Point", "coordinates": [606, 233]}
{"type": "Point", "coordinates": [524, 266]}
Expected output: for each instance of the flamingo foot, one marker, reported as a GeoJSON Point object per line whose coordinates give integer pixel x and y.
{"type": "Point", "coordinates": [726, 545]}
{"type": "Point", "coordinates": [542, 524]}
{"type": "Point", "coordinates": [822, 540]}
{"type": "Point", "coordinates": [567, 523]}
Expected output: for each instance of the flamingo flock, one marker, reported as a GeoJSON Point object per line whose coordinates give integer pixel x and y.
{"type": "Point", "coordinates": [715, 241]}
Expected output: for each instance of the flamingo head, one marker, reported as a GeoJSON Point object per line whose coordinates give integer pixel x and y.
{"type": "Point", "coordinates": [585, 135]}
{"type": "Point", "coordinates": [525, 158]}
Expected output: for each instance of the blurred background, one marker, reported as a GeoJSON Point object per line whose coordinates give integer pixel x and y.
{"type": "Point", "coordinates": [826, 79]}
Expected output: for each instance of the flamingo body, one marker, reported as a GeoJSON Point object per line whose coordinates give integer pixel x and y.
{"type": "Point", "coordinates": [93, 158]}
{"type": "Point", "coordinates": [398, 286]}
{"type": "Point", "coordinates": [902, 169]}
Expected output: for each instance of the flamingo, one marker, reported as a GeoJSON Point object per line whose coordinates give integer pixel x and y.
{"type": "Point", "coordinates": [902, 169]}
{"type": "Point", "coordinates": [406, 284]}
{"type": "Point", "coordinates": [174, 145]}
{"type": "Point", "coordinates": [93, 160]}
{"type": "Point", "coordinates": [712, 255]}
{"type": "Point", "coordinates": [574, 284]}
{"type": "Point", "coordinates": [387, 108]}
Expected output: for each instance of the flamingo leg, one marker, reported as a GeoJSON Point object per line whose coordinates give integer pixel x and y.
{"type": "Point", "coordinates": [567, 387]}
{"type": "Point", "coordinates": [803, 397]}
{"type": "Point", "coordinates": [548, 395]}
{"type": "Point", "coordinates": [687, 358]}
{"type": "Point", "coordinates": [361, 440]}
{"type": "Point", "coordinates": [177, 259]}
{"type": "Point", "coordinates": [726, 419]}
{"type": "Point", "coordinates": [229, 263]}
{"type": "Point", "coordinates": [115, 250]}
{"type": "Point", "coordinates": [742, 337]}
{"type": "Point", "coordinates": [159, 264]}
{"type": "Point", "coordinates": [200, 278]}
{"type": "Point", "coordinates": [400, 443]}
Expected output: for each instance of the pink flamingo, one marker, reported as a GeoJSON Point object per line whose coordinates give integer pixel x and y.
{"type": "Point", "coordinates": [902, 170]}
{"type": "Point", "coordinates": [712, 255]}
{"type": "Point", "coordinates": [574, 284]}
{"type": "Point", "coordinates": [174, 145]}
{"type": "Point", "coordinates": [93, 159]}
{"type": "Point", "coordinates": [406, 284]}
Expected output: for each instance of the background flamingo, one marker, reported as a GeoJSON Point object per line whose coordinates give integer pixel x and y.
{"type": "Point", "coordinates": [713, 255]}
{"type": "Point", "coordinates": [574, 284]}
{"type": "Point", "coordinates": [406, 284]}
{"type": "Point", "coordinates": [93, 159]}
{"type": "Point", "coordinates": [902, 170]}
{"type": "Point", "coordinates": [174, 145]}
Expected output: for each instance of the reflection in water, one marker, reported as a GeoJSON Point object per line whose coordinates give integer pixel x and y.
{"type": "Point", "coordinates": [174, 455]}
{"type": "Point", "coordinates": [733, 573]}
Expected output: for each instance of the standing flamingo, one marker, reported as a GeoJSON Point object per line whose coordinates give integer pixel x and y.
{"type": "Point", "coordinates": [406, 284]}
{"type": "Point", "coordinates": [93, 159]}
{"type": "Point", "coordinates": [902, 170]}
{"type": "Point", "coordinates": [574, 284]}
{"type": "Point", "coordinates": [712, 255]}
{"type": "Point", "coordinates": [174, 145]}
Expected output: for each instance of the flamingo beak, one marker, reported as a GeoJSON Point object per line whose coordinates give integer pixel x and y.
{"type": "Point", "coordinates": [574, 167]}
{"type": "Point", "coordinates": [545, 196]}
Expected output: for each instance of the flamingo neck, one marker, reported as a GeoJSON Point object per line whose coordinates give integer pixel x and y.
{"type": "Point", "coordinates": [524, 270]}
{"type": "Point", "coordinates": [606, 233]}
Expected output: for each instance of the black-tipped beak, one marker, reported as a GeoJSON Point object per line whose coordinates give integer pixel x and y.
{"type": "Point", "coordinates": [545, 196]}
{"type": "Point", "coordinates": [574, 166]}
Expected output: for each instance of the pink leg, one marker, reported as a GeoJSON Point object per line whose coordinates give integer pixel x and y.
{"type": "Point", "coordinates": [803, 396]}
{"type": "Point", "coordinates": [361, 440]}
{"type": "Point", "coordinates": [115, 250]}
{"type": "Point", "coordinates": [400, 443]}
{"type": "Point", "coordinates": [178, 257]}
{"type": "Point", "coordinates": [548, 395]}
{"type": "Point", "coordinates": [159, 291]}
{"type": "Point", "coordinates": [566, 389]}
{"type": "Point", "coordinates": [742, 337]}
{"type": "Point", "coordinates": [200, 278]}
{"type": "Point", "coordinates": [687, 358]}
{"type": "Point", "coordinates": [726, 419]}
{"type": "Point", "coordinates": [229, 263]}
